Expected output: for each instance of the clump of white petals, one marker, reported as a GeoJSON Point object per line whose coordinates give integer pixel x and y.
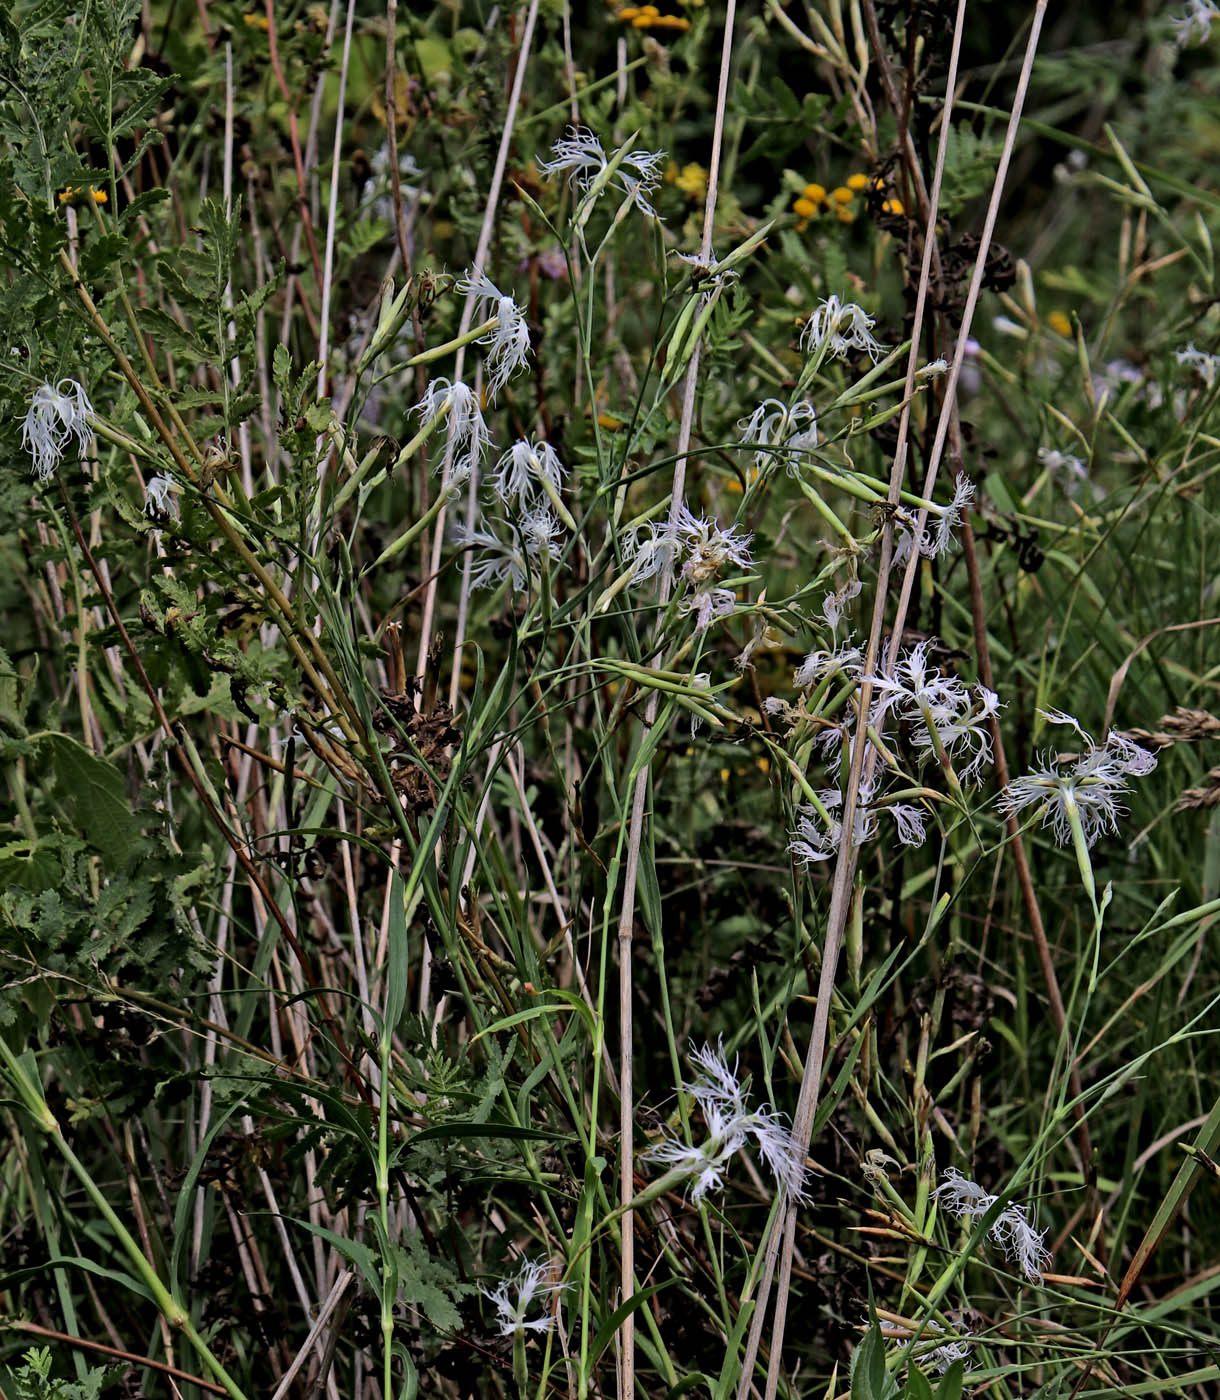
{"type": "Point", "coordinates": [508, 341]}
{"type": "Point", "coordinates": [468, 434]}
{"type": "Point", "coordinates": [514, 561]}
{"type": "Point", "coordinates": [1205, 366]}
{"type": "Point", "coordinates": [581, 156]}
{"type": "Point", "coordinates": [818, 837]}
{"type": "Point", "coordinates": [522, 471]}
{"type": "Point", "coordinates": [930, 1354]}
{"type": "Point", "coordinates": [842, 327]}
{"type": "Point", "coordinates": [57, 413]}
{"type": "Point", "coordinates": [845, 660]}
{"type": "Point", "coordinates": [939, 1358]}
{"type": "Point", "coordinates": [1194, 25]}
{"type": "Point", "coordinates": [835, 604]}
{"type": "Point", "coordinates": [933, 543]}
{"type": "Point", "coordinates": [1089, 784]}
{"type": "Point", "coordinates": [514, 1296]}
{"type": "Point", "coordinates": [941, 709]}
{"type": "Point", "coordinates": [731, 1124]}
{"type": "Point", "coordinates": [964, 1199]}
{"type": "Point", "coordinates": [708, 547]}
{"type": "Point", "coordinates": [159, 499]}
{"type": "Point", "coordinates": [704, 549]}
{"type": "Point", "coordinates": [779, 429]}
{"type": "Point", "coordinates": [708, 604]}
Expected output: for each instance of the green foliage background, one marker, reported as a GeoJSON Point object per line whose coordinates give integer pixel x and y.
{"type": "Point", "coordinates": [310, 947]}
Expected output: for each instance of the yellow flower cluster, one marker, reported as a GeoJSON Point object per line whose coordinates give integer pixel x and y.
{"type": "Point", "coordinates": [66, 196]}
{"type": "Point", "coordinates": [649, 17]}
{"type": "Point", "coordinates": [691, 179]}
{"type": "Point", "coordinates": [257, 21]}
{"type": "Point", "coordinates": [1060, 323]}
{"type": "Point", "coordinates": [815, 198]}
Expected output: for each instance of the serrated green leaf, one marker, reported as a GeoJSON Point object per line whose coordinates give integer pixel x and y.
{"type": "Point", "coordinates": [94, 790]}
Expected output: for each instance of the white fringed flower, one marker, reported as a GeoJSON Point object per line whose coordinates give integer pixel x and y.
{"type": "Point", "coordinates": [964, 1199]}
{"type": "Point", "coordinates": [514, 1296]}
{"type": "Point", "coordinates": [931, 1354]}
{"type": "Point", "coordinates": [468, 434]}
{"type": "Point", "coordinates": [1205, 366]}
{"type": "Point", "coordinates": [523, 469]}
{"type": "Point", "coordinates": [510, 561]}
{"type": "Point", "coordinates": [508, 342]}
{"type": "Point", "coordinates": [703, 546]}
{"type": "Point", "coordinates": [730, 1126]}
{"type": "Point", "coordinates": [932, 544]}
{"type": "Point", "coordinates": [707, 546]}
{"type": "Point", "coordinates": [941, 709]}
{"type": "Point", "coordinates": [57, 413]}
{"type": "Point", "coordinates": [1088, 786]}
{"type": "Point", "coordinates": [1194, 26]}
{"type": "Point", "coordinates": [159, 499]}
{"type": "Point", "coordinates": [842, 327]}
{"type": "Point", "coordinates": [650, 551]}
{"type": "Point", "coordinates": [845, 660]}
{"type": "Point", "coordinates": [581, 157]}
{"type": "Point", "coordinates": [708, 604]}
{"type": "Point", "coordinates": [778, 429]}
{"type": "Point", "coordinates": [819, 835]}
{"type": "Point", "coordinates": [834, 604]}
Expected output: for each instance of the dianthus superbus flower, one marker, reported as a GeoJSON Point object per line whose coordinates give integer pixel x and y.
{"type": "Point", "coordinates": [842, 327]}
{"type": "Point", "coordinates": [964, 1199]}
{"type": "Point", "coordinates": [57, 413]}
{"type": "Point", "coordinates": [511, 561]}
{"type": "Point", "coordinates": [508, 342]}
{"type": "Point", "coordinates": [778, 429]}
{"type": "Point", "coordinates": [819, 834]}
{"type": "Point", "coordinates": [730, 1125]}
{"type": "Point", "coordinates": [514, 1296]}
{"type": "Point", "coordinates": [467, 432]}
{"type": "Point", "coordinates": [523, 469]}
{"type": "Point", "coordinates": [1194, 26]}
{"type": "Point", "coordinates": [582, 158]}
{"type": "Point", "coordinates": [944, 713]}
{"type": "Point", "coordinates": [159, 500]}
{"type": "Point", "coordinates": [1084, 789]}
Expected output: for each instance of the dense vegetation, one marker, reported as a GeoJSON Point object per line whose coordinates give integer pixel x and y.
{"type": "Point", "coordinates": [608, 700]}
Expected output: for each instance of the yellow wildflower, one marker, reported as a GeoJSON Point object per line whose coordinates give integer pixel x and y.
{"type": "Point", "coordinates": [806, 208]}
{"type": "Point", "coordinates": [842, 195]}
{"type": "Point", "coordinates": [892, 206]}
{"type": "Point", "coordinates": [692, 179]}
{"type": "Point", "coordinates": [857, 182]}
{"type": "Point", "coordinates": [256, 21]}
{"type": "Point", "coordinates": [1060, 323]}
{"type": "Point", "coordinates": [66, 196]}
{"type": "Point", "coordinates": [816, 193]}
{"type": "Point", "coordinates": [845, 215]}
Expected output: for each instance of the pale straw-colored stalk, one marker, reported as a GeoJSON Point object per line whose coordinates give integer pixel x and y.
{"type": "Point", "coordinates": [845, 864]}
{"type": "Point", "coordinates": [631, 873]}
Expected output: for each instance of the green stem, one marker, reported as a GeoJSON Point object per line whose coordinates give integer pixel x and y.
{"type": "Point", "coordinates": [175, 1314]}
